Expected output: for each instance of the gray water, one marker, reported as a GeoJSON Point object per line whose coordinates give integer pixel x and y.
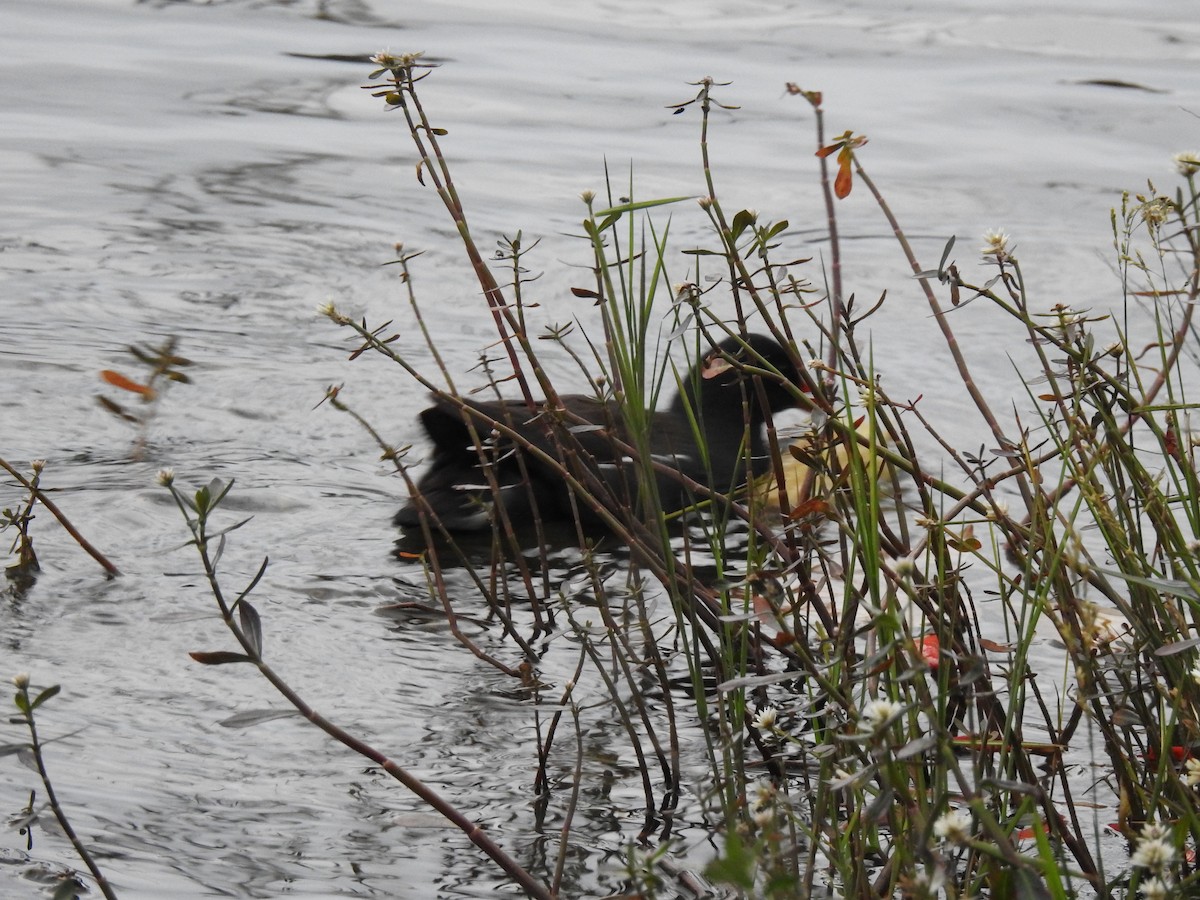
{"type": "Point", "coordinates": [215, 172]}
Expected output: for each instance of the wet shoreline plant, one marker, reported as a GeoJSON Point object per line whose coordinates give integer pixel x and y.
{"type": "Point", "coordinates": [947, 791]}
{"type": "Point", "coordinates": [833, 682]}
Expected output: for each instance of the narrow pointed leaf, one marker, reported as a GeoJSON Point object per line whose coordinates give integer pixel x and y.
{"type": "Point", "coordinates": [255, 716]}
{"type": "Point", "coordinates": [642, 204]}
{"type": "Point", "coordinates": [251, 625]}
{"type": "Point", "coordinates": [46, 695]}
{"type": "Point", "coordinates": [218, 657]}
{"type": "Point", "coordinates": [116, 379]}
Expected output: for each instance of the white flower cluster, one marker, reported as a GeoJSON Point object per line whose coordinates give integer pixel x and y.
{"type": "Point", "coordinates": [876, 714]}
{"type": "Point", "coordinates": [1156, 852]}
{"type": "Point", "coordinates": [955, 826]}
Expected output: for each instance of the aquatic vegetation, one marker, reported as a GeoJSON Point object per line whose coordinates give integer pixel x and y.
{"type": "Point", "coordinates": [915, 743]}
{"type": "Point", "coordinates": [901, 668]}
{"type": "Point", "coordinates": [31, 754]}
{"type": "Point", "coordinates": [163, 368]}
{"type": "Point", "coordinates": [23, 573]}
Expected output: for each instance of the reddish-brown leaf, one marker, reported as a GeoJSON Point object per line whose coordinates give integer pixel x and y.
{"type": "Point", "coordinates": [843, 184]}
{"type": "Point", "coordinates": [995, 647]}
{"type": "Point", "coordinates": [116, 379]}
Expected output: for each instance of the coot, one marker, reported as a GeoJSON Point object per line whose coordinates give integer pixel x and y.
{"type": "Point", "coordinates": [593, 437]}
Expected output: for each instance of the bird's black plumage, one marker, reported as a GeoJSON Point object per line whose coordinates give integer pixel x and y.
{"type": "Point", "coordinates": [595, 440]}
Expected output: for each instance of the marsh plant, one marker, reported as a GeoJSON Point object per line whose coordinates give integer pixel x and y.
{"type": "Point", "coordinates": [828, 678]}
{"type": "Point", "coordinates": [30, 752]}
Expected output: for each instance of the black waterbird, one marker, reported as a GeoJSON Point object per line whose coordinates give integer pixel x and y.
{"type": "Point", "coordinates": [595, 441]}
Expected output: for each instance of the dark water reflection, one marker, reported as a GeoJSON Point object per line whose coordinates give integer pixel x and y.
{"type": "Point", "coordinates": [198, 170]}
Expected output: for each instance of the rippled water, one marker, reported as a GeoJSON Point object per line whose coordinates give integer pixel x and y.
{"type": "Point", "coordinates": [214, 172]}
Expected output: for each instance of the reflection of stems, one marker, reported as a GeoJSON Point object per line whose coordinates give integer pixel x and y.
{"type": "Point", "coordinates": [26, 706]}
{"type": "Point", "coordinates": [49, 504]}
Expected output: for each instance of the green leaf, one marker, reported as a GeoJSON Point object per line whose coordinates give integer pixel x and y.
{"type": "Point", "coordinates": [1162, 585]}
{"type": "Point", "coordinates": [741, 222]}
{"type": "Point", "coordinates": [251, 625]}
{"type": "Point", "coordinates": [917, 746]}
{"type": "Point", "coordinates": [641, 204]}
{"type": "Point", "coordinates": [219, 657]}
{"type": "Point", "coordinates": [774, 229]}
{"type": "Point", "coordinates": [46, 695]}
{"type": "Point", "coordinates": [254, 716]}
{"type": "Point", "coordinates": [255, 580]}
{"type": "Point", "coordinates": [1177, 647]}
{"type": "Point", "coordinates": [608, 221]}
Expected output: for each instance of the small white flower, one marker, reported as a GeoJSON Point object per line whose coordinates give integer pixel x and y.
{"type": "Point", "coordinates": [954, 825]}
{"type": "Point", "coordinates": [165, 477]}
{"type": "Point", "coordinates": [1155, 889]}
{"type": "Point", "coordinates": [21, 680]}
{"type": "Point", "coordinates": [763, 817]}
{"type": "Point", "coordinates": [1153, 852]}
{"type": "Point", "coordinates": [587, 197]}
{"type": "Point", "coordinates": [906, 567]}
{"type": "Point", "coordinates": [995, 247]}
{"type": "Point", "coordinates": [765, 720]}
{"type": "Point", "coordinates": [1191, 770]}
{"type": "Point", "coordinates": [876, 713]}
{"type": "Point", "coordinates": [37, 465]}
{"type": "Point", "coordinates": [1187, 163]}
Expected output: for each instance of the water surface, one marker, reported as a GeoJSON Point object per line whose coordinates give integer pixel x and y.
{"type": "Point", "coordinates": [215, 172]}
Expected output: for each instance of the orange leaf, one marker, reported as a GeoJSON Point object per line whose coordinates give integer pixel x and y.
{"type": "Point", "coordinates": [813, 507]}
{"type": "Point", "coordinates": [994, 646]}
{"type": "Point", "coordinates": [931, 649]}
{"type": "Point", "coordinates": [843, 183]}
{"type": "Point", "coordinates": [118, 380]}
